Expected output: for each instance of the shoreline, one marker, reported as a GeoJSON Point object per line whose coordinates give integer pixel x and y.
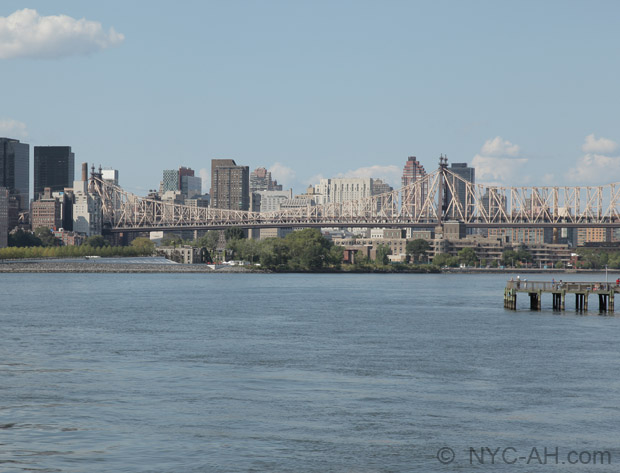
{"type": "Point", "coordinates": [60, 266]}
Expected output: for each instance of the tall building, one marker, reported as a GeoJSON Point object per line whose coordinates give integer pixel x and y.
{"type": "Point", "coordinates": [230, 185]}
{"type": "Point", "coordinates": [468, 174]}
{"type": "Point", "coordinates": [191, 186]}
{"type": "Point", "coordinates": [413, 201]}
{"type": "Point", "coordinates": [182, 180]}
{"type": "Point", "coordinates": [260, 180]}
{"type": "Point", "coordinates": [54, 167]}
{"type": "Point", "coordinates": [4, 217]}
{"type": "Point", "coordinates": [412, 171]}
{"type": "Point", "coordinates": [15, 170]}
{"type": "Point", "coordinates": [87, 213]}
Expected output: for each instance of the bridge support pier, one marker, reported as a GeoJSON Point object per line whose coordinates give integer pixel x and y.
{"type": "Point", "coordinates": [534, 300]}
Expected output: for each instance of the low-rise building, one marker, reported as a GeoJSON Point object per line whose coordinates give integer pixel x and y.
{"type": "Point", "coordinates": [184, 254]}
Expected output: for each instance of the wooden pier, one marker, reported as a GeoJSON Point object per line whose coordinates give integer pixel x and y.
{"type": "Point", "coordinates": [559, 290]}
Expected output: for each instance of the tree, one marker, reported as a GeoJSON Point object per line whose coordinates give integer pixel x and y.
{"type": "Point", "coordinates": [46, 236]}
{"type": "Point", "coordinates": [209, 241]}
{"type": "Point", "coordinates": [308, 249]}
{"type": "Point", "coordinates": [144, 245]}
{"type": "Point", "coordinates": [467, 256]}
{"type": "Point", "coordinates": [418, 249]}
{"type": "Point", "coordinates": [172, 240]}
{"type": "Point", "coordinates": [509, 257]}
{"type": "Point", "coordinates": [95, 241]}
{"type": "Point", "coordinates": [273, 253]}
{"type": "Point", "coordinates": [444, 259]}
{"type": "Point", "coordinates": [234, 233]}
{"type": "Point", "coordinates": [383, 251]}
{"type": "Point", "coordinates": [23, 239]}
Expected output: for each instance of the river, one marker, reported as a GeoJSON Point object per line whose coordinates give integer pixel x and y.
{"type": "Point", "coordinates": [300, 373]}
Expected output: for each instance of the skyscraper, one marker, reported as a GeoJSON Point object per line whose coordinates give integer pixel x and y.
{"type": "Point", "coordinates": [54, 167]}
{"type": "Point", "coordinates": [468, 174]}
{"type": "Point", "coordinates": [15, 170]}
{"type": "Point", "coordinates": [412, 171]}
{"type": "Point", "coordinates": [182, 180]}
{"type": "Point", "coordinates": [260, 180]}
{"type": "Point", "coordinates": [414, 199]}
{"type": "Point", "coordinates": [230, 185]}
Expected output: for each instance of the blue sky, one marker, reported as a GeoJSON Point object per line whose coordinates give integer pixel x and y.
{"type": "Point", "coordinates": [525, 91]}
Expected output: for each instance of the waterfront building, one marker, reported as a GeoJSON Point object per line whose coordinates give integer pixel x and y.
{"type": "Point", "coordinates": [260, 180]}
{"type": "Point", "coordinates": [593, 235]}
{"type": "Point", "coordinates": [525, 235]}
{"type": "Point", "coordinates": [15, 171]}
{"type": "Point", "coordinates": [54, 167]}
{"type": "Point", "coordinates": [4, 217]}
{"type": "Point", "coordinates": [230, 185]}
{"type": "Point", "coordinates": [68, 238]}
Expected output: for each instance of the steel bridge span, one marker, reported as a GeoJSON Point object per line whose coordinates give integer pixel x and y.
{"type": "Point", "coordinates": [436, 198]}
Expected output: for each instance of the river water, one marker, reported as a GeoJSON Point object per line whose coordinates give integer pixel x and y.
{"type": "Point", "coordinates": [300, 373]}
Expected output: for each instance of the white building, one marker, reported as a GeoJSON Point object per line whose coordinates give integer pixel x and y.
{"type": "Point", "coordinates": [110, 176]}
{"type": "Point", "coordinates": [343, 189]}
{"type": "Point", "coordinates": [87, 216]}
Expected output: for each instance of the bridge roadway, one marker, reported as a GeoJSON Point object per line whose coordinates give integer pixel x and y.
{"type": "Point", "coordinates": [336, 224]}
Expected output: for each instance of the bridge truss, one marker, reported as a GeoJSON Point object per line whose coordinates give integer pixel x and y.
{"type": "Point", "coordinates": [438, 197]}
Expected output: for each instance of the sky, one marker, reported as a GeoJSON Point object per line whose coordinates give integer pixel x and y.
{"type": "Point", "coordinates": [526, 92]}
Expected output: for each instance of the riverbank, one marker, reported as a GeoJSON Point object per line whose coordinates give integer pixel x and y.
{"type": "Point", "coordinates": [58, 266]}
{"type": "Point", "coordinates": [118, 266]}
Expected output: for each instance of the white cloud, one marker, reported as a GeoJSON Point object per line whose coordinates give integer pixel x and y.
{"type": "Point", "coordinates": [595, 169]}
{"type": "Point", "coordinates": [498, 163]}
{"type": "Point", "coordinates": [206, 179]}
{"type": "Point", "coordinates": [499, 147]}
{"type": "Point", "coordinates": [25, 33]}
{"type": "Point", "coordinates": [598, 145]}
{"type": "Point", "coordinates": [391, 174]}
{"type": "Point", "coordinates": [313, 180]}
{"type": "Point", "coordinates": [13, 129]}
{"type": "Point", "coordinates": [281, 173]}
{"type": "Point", "coordinates": [498, 171]}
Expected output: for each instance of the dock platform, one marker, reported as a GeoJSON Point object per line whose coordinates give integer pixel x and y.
{"type": "Point", "coordinates": [559, 290]}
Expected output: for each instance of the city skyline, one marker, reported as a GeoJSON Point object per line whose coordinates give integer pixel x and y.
{"type": "Point", "coordinates": [321, 90]}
